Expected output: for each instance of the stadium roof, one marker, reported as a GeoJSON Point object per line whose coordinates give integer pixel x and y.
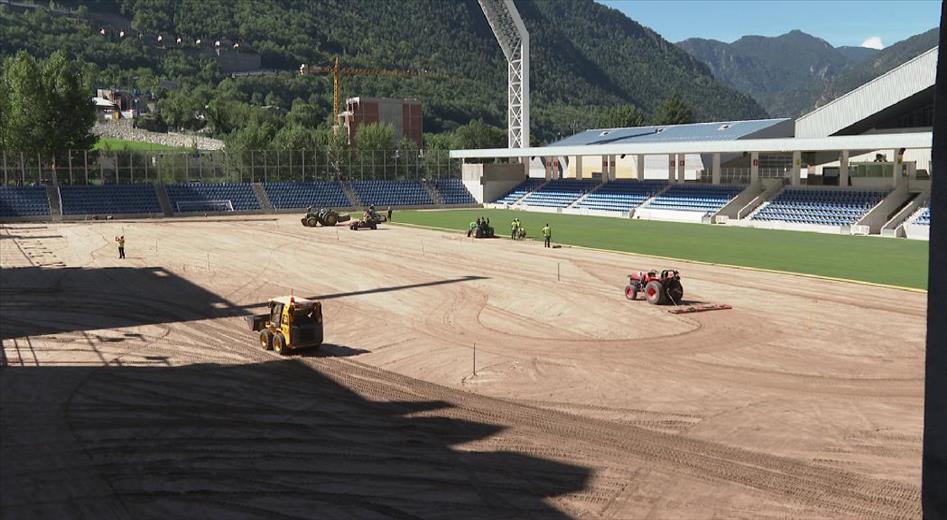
{"type": "Point", "coordinates": [719, 131]}
{"type": "Point", "coordinates": [911, 140]}
{"type": "Point", "coordinates": [907, 85]}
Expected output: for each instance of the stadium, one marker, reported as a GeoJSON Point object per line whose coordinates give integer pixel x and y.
{"type": "Point", "coordinates": [461, 377]}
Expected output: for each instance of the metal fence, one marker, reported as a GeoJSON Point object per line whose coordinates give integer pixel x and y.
{"type": "Point", "coordinates": [222, 166]}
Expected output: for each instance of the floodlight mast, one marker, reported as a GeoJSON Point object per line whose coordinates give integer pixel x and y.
{"type": "Point", "coordinates": [511, 34]}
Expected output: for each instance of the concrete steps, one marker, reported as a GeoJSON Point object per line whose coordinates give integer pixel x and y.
{"type": "Point", "coordinates": [262, 197]}
{"type": "Point", "coordinates": [55, 202]}
{"type": "Point", "coordinates": [432, 192]}
{"type": "Point", "coordinates": [350, 193]}
{"type": "Point", "coordinates": [164, 200]}
{"type": "Point", "coordinates": [586, 194]}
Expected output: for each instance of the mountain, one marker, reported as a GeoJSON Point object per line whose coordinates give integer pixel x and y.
{"type": "Point", "coordinates": [585, 57]}
{"type": "Point", "coordinates": [856, 55]}
{"type": "Point", "coordinates": [765, 67]}
{"type": "Point", "coordinates": [793, 73]}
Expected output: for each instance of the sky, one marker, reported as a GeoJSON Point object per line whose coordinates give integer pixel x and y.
{"type": "Point", "coordinates": [867, 23]}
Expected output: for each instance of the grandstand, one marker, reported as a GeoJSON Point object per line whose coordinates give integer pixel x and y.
{"type": "Point", "coordinates": [109, 199]}
{"type": "Point", "coordinates": [695, 197]}
{"type": "Point", "coordinates": [520, 191]}
{"type": "Point", "coordinates": [296, 195]}
{"type": "Point", "coordinates": [558, 193]}
{"type": "Point", "coordinates": [23, 201]}
{"type": "Point", "coordinates": [392, 193]}
{"type": "Point", "coordinates": [823, 207]}
{"type": "Point", "coordinates": [453, 191]}
{"type": "Point", "coordinates": [198, 197]}
{"type": "Point", "coordinates": [620, 196]}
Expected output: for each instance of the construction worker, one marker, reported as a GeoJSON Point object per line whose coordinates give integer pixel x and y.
{"type": "Point", "coordinates": [389, 213]}
{"type": "Point", "coordinates": [547, 235]}
{"type": "Point", "coordinates": [514, 228]}
{"type": "Point", "coordinates": [121, 246]}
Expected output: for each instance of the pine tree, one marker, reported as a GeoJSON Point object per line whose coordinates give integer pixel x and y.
{"type": "Point", "coordinates": [673, 111]}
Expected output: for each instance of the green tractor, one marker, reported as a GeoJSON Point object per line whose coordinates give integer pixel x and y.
{"type": "Point", "coordinates": [323, 216]}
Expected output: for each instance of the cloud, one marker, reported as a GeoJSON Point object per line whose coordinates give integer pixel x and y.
{"type": "Point", "coordinates": [873, 42]}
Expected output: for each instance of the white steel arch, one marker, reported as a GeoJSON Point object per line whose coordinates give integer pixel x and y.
{"type": "Point", "coordinates": [511, 34]}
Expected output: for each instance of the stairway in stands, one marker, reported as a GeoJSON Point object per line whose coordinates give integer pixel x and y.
{"type": "Point", "coordinates": [350, 193]}
{"type": "Point", "coordinates": [586, 194]}
{"type": "Point", "coordinates": [55, 203]}
{"type": "Point", "coordinates": [262, 197]}
{"type": "Point", "coordinates": [432, 192]}
{"type": "Point", "coordinates": [163, 200]}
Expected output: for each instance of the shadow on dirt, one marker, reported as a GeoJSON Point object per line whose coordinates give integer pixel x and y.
{"type": "Point", "coordinates": [36, 301]}
{"type": "Point", "coordinates": [274, 439]}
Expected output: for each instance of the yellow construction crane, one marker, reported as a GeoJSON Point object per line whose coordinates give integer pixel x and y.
{"type": "Point", "coordinates": [337, 71]}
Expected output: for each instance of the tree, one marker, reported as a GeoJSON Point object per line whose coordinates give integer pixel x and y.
{"type": "Point", "coordinates": [4, 100]}
{"type": "Point", "coordinates": [622, 116]}
{"type": "Point", "coordinates": [375, 137]}
{"type": "Point", "coordinates": [477, 134]}
{"type": "Point", "coordinates": [68, 112]}
{"type": "Point", "coordinates": [673, 111]}
{"type": "Point", "coordinates": [305, 114]}
{"type": "Point", "coordinates": [26, 100]}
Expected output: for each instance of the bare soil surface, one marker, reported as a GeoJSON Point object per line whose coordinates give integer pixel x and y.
{"type": "Point", "coordinates": [460, 378]}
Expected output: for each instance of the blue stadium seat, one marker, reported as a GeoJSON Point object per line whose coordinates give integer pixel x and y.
{"type": "Point", "coordinates": [294, 195]}
{"type": "Point", "coordinates": [23, 201]}
{"type": "Point", "coordinates": [705, 198]}
{"type": "Point", "coordinates": [109, 199]}
{"type": "Point", "coordinates": [923, 218]}
{"type": "Point", "coordinates": [521, 189]}
{"type": "Point", "coordinates": [453, 191]}
{"type": "Point", "coordinates": [200, 197]}
{"type": "Point", "coordinates": [392, 193]}
{"type": "Point", "coordinates": [820, 206]}
{"type": "Point", "coordinates": [559, 193]}
{"type": "Point", "coordinates": [621, 195]}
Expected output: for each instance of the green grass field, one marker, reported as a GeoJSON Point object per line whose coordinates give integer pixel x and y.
{"type": "Point", "coordinates": [888, 261]}
{"type": "Point", "coordinates": [121, 144]}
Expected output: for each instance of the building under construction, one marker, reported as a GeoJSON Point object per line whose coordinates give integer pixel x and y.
{"type": "Point", "coordinates": [404, 115]}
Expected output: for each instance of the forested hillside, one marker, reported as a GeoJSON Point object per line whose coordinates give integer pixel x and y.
{"type": "Point", "coordinates": [587, 59]}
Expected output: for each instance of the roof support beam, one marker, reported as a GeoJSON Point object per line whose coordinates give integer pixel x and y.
{"type": "Point", "coordinates": [909, 141]}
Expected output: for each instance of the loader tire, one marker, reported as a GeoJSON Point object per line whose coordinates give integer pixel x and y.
{"type": "Point", "coordinates": [654, 293]}
{"type": "Point", "coordinates": [266, 339]}
{"type": "Point", "coordinates": [331, 219]}
{"type": "Point", "coordinates": [279, 344]}
{"type": "Point", "coordinates": [312, 221]}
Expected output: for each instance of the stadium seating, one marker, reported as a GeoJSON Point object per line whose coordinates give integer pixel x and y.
{"type": "Point", "coordinates": [706, 198]}
{"type": "Point", "coordinates": [923, 217]}
{"type": "Point", "coordinates": [620, 195]}
{"type": "Point", "coordinates": [815, 206]}
{"type": "Point", "coordinates": [391, 193]}
{"type": "Point", "coordinates": [294, 195]}
{"type": "Point", "coordinates": [109, 199]}
{"type": "Point", "coordinates": [559, 193]}
{"type": "Point", "coordinates": [521, 189]}
{"type": "Point", "coordinates": [23, 201]}
{"type": "Point", "coordinates": [453, 191]}
{"type": "Point", "coordinates": [210, 197]}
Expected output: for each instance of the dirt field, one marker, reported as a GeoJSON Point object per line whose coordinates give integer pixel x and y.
{"type": "Point", "coordinates": [133, 389]}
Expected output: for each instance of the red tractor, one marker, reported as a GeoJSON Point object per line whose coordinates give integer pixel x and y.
{"type": "Point", "coordinates": [658, 289]}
